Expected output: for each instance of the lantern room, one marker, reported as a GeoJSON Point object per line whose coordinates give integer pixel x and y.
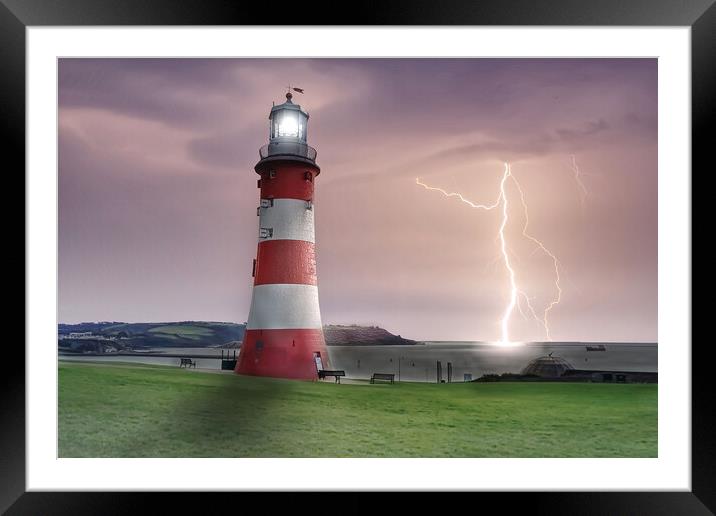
{"type": "Point", "coordinates": [288, 125]}
{"type": "Point", "coordinates": [288, 122]}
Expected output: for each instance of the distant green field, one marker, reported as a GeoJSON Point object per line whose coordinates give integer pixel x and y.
{"type": "Point", "coordinates": [183, 331]}
{"type": "Point", "coordinates": [150, 411]}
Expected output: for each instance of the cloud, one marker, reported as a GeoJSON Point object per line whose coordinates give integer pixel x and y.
{"type": "Point", "coordinates": [590, 128]}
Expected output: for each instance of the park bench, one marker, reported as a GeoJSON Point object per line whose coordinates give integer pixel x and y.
{"type": "Point", "coordinates": [188, 362]}
{"type": "Point", "coordinates": [382, 376]}
{"type": "Point", "coordinates": [337, 374]}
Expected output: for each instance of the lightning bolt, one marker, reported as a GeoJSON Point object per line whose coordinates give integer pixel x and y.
{"type": "Point", "coordinates": [515, 291]}
{"type": "Point", "coordinates": [540, 245]}
{"type": "Point", "coordinates": [578, 178]}
{"type": "Point", "coordinates": [459, 196]}
{"type": "Point", "coordinates": [506, 258]}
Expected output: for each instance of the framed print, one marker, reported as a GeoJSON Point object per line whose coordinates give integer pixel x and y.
{"type": "Point", "coordinates": [435, 250]}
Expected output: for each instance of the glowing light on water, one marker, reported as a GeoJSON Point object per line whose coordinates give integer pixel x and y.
{"type": "Point", "coordinates": [503, 344]}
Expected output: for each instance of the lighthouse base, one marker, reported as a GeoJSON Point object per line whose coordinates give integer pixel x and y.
{"type": "Point", "coordinates": [290, 353]}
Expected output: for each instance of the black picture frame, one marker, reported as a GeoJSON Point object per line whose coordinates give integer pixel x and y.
{"type": "Point", "coordinates": [17, 15]}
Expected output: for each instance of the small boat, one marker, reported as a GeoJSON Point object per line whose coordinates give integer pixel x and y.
{"type": "Point", "coordinates": [597, 347]}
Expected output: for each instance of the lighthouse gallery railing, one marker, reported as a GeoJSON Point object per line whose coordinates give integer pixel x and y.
{"type": "Point", "coordinates": [288, 149]}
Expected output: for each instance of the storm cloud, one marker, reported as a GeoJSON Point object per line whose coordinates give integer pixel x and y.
{"type": "Point", "coordinates": [157, 192]}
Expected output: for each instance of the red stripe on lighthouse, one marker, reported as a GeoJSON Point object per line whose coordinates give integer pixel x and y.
{"type": "Point", "coordinates": [291, 181]}
{"type": "Point", "coordinates": [282, 353]}
{"type": "Point", "coordinates": [286, 261]}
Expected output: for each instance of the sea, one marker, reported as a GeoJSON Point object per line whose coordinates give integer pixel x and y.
{"type": "Point", "coordinates": [419, 362]}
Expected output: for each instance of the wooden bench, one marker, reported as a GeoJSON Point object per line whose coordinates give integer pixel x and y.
{"type": "Point", "coordinates": [382, 376]}
{"type": "Point", "coordinates": [188, 362]}
{"type": "Point", "coordinates": [337, 374]}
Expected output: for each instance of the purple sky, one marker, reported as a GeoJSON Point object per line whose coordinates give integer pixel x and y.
{"type": "Point", "coordinates": [157, 193]}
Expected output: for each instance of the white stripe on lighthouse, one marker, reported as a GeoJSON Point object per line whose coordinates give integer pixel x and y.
{"type": "Point", "coordinates": [288, 219]}
{"type": "Point", "coordinates": [282, 306]}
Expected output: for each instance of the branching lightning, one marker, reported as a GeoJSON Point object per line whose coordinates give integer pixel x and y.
{"type": "Point", "coordinates": [459, 196]}
{"type": "Point", "coordinates": [546, 251]}
{"type": "Point", "coordinates": [515, 292]}
{"type": "Point", "coordinates": [578, 178]}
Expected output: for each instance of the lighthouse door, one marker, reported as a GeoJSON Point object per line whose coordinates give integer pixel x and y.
{"type": "Point", "coordinates": [317, 359]}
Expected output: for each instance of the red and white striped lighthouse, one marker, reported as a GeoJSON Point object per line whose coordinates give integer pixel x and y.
{"type": "Point", "coordinates": [284, 334]}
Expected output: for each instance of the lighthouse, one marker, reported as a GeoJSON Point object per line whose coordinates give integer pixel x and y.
{"type": "Point", "coordinates": [284, 334]}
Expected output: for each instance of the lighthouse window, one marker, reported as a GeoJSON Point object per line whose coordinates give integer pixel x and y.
{"type": "Point", "coordinates": [266, 203]}
{"type": "Point", "coordinates": [308, 176]}
{"type": "Point", "coordinates": [288, 126]}
{"type": "Point", "coordinates": [265, 232]}
{"type": "Point", "coordinates": [272, 174]}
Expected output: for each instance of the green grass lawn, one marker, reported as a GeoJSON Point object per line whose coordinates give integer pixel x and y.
{"type": "Point", "coordinates": [150, 411]}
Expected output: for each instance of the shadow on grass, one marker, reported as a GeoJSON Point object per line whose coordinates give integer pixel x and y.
{"type": "Point", "coordinates": [131, 410]}
{"type": "Point", "coordinates": [217, 415]}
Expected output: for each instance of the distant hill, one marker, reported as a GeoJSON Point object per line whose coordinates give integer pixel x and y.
{"type": "Point", "coordinates": [354, 335]}
{"type": "Point", "coordinates": [163, 334]}
{"type": "Point", "coordinates": [199, 334]}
